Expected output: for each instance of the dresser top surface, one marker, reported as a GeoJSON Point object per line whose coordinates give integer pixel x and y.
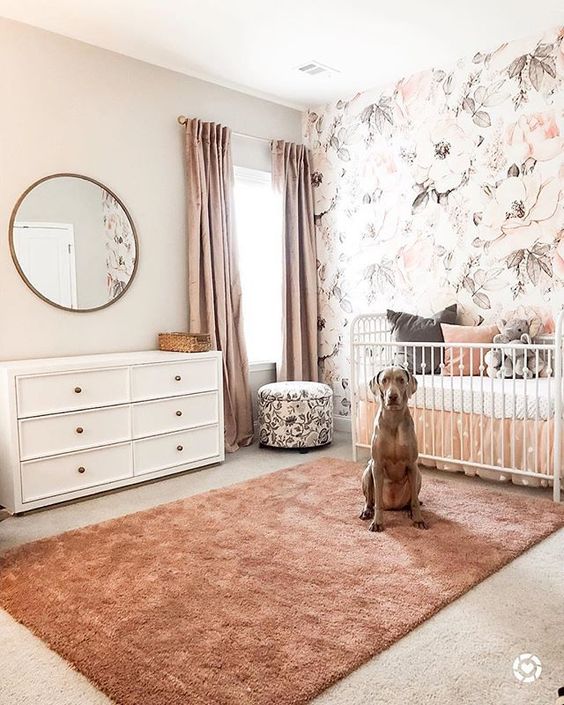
{"type": "Point", "coordinates": [75, 362]}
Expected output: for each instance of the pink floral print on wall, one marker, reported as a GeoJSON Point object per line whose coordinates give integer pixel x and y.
{"type": "Point", "coordinates": [447, 186]}
{"type": "Point", "coordinates": [119, 245]}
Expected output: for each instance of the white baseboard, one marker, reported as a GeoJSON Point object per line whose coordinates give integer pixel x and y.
{"type": "Point", "coordinates": [342, 423]}
{"type": "Point", "coordinates": [262, 367]}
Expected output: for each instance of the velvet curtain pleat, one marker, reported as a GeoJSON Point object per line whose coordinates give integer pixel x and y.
{"type": "Point", "coordinates": [291, 176]}
{"type": "Point", "coordinates": [214, 287]}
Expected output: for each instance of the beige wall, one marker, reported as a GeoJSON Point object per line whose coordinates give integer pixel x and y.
{"type": "Point", "coordinates": [71, 107]}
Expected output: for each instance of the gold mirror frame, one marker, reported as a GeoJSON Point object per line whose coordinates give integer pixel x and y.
{"type": "Point", "coordinates": [20, 270]}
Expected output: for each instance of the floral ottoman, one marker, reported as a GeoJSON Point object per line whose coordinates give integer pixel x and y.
{"type": "Point", "coordinates": [295, 414]}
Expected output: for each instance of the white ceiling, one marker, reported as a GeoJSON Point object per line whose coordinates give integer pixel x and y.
{"type": "Point", "coordinates": [256, 45]}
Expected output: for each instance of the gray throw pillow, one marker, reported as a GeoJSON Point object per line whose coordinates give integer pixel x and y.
{"type": "Point", "coordinates": [410, 328]}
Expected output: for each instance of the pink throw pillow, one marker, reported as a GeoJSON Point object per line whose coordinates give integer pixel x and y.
{"type": "Point", "coordinates": [470, 357]}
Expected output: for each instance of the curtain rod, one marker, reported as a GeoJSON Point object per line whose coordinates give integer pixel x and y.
{"type": "Point", "coordinates": [182, 120]}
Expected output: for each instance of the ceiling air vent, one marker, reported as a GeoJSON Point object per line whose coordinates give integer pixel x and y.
{"type": "Point", "coordinates": [314, 68]}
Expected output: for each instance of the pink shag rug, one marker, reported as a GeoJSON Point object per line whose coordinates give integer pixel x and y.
{"type": "Point", "coordinates": [262, 593]}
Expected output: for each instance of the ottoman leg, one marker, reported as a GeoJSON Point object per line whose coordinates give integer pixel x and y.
{"type": "Point", "coordinates": [303, 451]}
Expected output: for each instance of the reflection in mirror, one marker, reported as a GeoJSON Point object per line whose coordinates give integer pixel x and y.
{"type": "Point", "coordinates": [73, 242]}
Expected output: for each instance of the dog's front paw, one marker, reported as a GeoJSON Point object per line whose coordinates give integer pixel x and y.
{"type": "Point", "coordinates": [376, 526]}
{"type": "Point", "coordinates": [367, 513]}
{"type": "Point", "coordinates": [420, 524]}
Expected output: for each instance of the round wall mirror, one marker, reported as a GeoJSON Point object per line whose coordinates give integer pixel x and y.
{"type": "Point", "coordinates": [73, 242]}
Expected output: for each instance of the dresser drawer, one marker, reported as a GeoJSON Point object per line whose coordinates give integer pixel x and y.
{"type": "Point", "coordinates": [49, 394]}
{"type": "Point", "coordinates": [181, 448]}
{"type": "Point", "coordinates": [75, 471]}
{"type": "Point", "coordinates": [173, 378]}
{"type": "Point", "coordinates": [165, 415]}
{"type": "Point", "coordinates": [50, 435]}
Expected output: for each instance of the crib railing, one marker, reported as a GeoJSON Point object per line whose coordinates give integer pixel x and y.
{"type": "Point", "coordinates": [509, 425]}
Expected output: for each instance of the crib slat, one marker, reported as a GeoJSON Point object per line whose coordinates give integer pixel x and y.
{"type": "Point", "coordinates": [513, 410]}
{"type": "Point", "coordinates": [492, 412]}
{"type": "Point", "coordinates": [537, 416]}
{"type": "Point", "coordinates": [559, 352]}
{"type": "Point", "coordinates": [353, 394]}
{"type": "Point", "coordinates": [482, 400]}
{"type": "Point", "coordinates": [451, 376]}
{"type": "Point", "coordinates": [433, 426]}
{"type": "Point", "coordinates": [443, 408]}
{"type": "Point", "coordinates": [470, 431]}
{"type": "Point", "coordinates": [549, 371]}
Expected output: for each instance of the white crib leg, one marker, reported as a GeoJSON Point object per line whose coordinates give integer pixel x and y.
{"type": "Point", "coordinates": [557, 451]}
{"type": "Point", "coordinates": [558, 421]}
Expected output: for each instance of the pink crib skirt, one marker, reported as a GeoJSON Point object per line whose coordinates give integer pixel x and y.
{"type": "Point", "coordinates": [474, 438]}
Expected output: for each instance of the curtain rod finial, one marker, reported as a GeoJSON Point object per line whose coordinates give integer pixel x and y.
{"type": "Point", "coordinates": [182, 119]}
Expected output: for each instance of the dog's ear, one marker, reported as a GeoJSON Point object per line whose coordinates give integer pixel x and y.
{"type": "Point", "coordinates": [374, 384]}
{"type": "Point", "coordinates": [411, 383]}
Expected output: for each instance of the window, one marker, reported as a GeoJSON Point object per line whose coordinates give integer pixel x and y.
{"type": "Point", "coordinates": [259, 235]}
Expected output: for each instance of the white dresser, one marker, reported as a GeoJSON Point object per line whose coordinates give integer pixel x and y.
{"type": "Point", "coordinates": [73, 426]}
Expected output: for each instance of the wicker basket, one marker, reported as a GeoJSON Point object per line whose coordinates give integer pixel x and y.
{"type": "Point", "coordinates": [185, 342]}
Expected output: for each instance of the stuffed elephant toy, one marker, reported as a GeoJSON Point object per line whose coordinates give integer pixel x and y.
{"type": "Point", "coordinates": [521, 363]}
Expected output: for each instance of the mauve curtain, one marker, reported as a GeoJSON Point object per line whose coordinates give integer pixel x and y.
{"type": "Point", "coordinates": [214, 287]}
{"type": "Point", "coordinates": [291, 176]}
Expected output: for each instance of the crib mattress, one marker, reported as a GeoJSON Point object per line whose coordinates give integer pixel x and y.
{"type": "Point", "coordinates": [496, 398]}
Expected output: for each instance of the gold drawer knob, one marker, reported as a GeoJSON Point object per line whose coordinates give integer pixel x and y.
{"type": "Point", "coordinates": [78, 390]}
{"type": "Point", "coordinates": [179, 448]}
{"type": "Point", "coordinates": [178, 378]}
{"type": "Point", "coordinates": [179, 413]}
{"type": "Point", "coordinates": [81, 469]}
{"type": "Point", "coordinates": [79, 429]}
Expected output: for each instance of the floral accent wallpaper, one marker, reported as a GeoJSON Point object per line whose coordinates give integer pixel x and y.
{"type": "Point", "coordinates": [445, 187]}
{"type": "Point", "coordinates": [120, 246]}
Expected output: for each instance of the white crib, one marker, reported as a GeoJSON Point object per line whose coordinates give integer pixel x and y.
{"type": "Point", "coordinates": [505, 428]}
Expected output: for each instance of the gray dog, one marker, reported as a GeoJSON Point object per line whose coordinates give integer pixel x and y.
{"type": "Point", "coordinates": [392, 478]}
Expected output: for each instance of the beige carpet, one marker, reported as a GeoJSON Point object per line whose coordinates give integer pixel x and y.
{"type": "Point", "coordinates": [265, 592]}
